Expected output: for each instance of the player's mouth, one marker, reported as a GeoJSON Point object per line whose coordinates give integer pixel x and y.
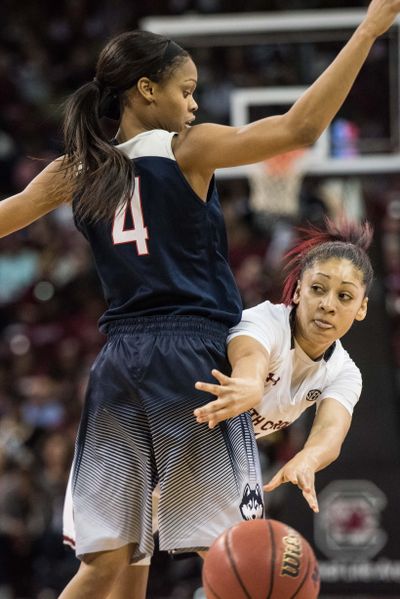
{"type": "Point", "coordinates": [322, 324]}
{"type": "Point", "coordinates": [189, 122]}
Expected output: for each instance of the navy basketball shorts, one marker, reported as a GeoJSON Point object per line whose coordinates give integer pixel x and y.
{"type": "Point", "coordinates": [138, 430]}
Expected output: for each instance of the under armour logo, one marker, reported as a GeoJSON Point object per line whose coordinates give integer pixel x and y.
{"type": "Point", "coordinates": [271, 377]}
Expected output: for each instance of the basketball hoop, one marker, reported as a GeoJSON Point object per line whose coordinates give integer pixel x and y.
{"type": "Point", "coordinates": [275, 183]}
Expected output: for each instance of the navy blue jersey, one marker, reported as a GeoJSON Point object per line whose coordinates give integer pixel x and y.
{"type": "Point", "coordinates": [166, 251]}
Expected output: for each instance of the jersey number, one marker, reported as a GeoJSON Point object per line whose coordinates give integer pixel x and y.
{"type": "Point", "coordinates": [138, 233]}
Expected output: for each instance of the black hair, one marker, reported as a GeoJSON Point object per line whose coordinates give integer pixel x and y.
{"type": "Point", "coordinates": [344, 240]}
{"type": "Point", "coordinates": [102, 176]}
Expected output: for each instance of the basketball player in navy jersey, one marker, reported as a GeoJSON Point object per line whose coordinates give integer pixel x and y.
{"type": "Point", "coordinates": [149, 209]}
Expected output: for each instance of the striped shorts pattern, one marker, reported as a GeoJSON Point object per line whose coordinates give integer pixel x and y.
{"type": "Point", "coordinates": [138, 430]}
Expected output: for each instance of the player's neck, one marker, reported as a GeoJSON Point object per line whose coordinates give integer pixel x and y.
{"type": "Point", "coordinates": [130, 126]}
{"type": "Point", "coordinates": [313, 350]}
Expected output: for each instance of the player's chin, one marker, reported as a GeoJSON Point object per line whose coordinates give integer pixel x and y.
{"type": "Point", "coordinates": [187, 124]}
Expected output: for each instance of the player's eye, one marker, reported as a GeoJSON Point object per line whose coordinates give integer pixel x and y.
{"type": "Point", "coordinates": [317, 288]}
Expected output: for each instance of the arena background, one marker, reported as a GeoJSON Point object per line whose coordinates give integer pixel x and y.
{"type": "Point", "coordinates": [250, 65]}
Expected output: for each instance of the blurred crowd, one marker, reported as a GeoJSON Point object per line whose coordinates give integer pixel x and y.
{"type": "Point", "coordinates": [50, 298]}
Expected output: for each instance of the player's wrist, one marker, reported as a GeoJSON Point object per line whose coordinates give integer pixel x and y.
{"type": "Point", "coordinates": [367, 32]}
{"type": "Point", "coordinates": [313, 456]}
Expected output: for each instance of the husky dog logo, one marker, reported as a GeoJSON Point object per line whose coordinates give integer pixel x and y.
{"type": "Point", "coordinates": [252, 505]}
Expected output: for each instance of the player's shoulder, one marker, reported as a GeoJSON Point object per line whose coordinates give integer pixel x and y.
{"type": "Point", "coordinates": [155, 142]}
{"type": "Point", "coordinates": [341, 362]}
{"type": "Point", "coordinates": [268, 323]}
{"type": "Point", "coordinates": [268, 311]}
{"type": "Point", "coordinates": [197, 138]}
{"type": "Point", "coordinates": [268, 319]}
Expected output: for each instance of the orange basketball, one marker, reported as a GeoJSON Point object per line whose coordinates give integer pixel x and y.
{"type": "Point", "coordinates": [261, 559]}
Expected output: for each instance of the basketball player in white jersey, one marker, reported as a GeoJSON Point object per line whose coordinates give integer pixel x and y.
{"type": "Point", "coordinates": [288, 357]}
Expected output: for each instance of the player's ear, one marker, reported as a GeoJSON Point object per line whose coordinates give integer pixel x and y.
{"type": "Point", "coordinates": [296, 295]}
{"type": "Point", "coordinates": [145, 87]}
{"type": "Point", "coordinates": [362, 311]}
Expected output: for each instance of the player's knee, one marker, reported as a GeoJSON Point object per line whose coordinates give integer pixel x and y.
{"type": "Point", "coordinates": [106, 565]}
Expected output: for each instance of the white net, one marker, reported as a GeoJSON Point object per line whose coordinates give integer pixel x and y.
{"type": "Point", "coordinates": [275, 183]}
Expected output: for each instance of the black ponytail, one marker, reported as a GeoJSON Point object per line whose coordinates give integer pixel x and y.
{"type": "Point", "coordinates": [103, 176]}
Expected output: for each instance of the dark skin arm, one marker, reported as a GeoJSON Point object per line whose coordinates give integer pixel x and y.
{"type": "Point", "coordinates": [204, 148]}
{"type": "Point", "coordinates": [36, 200]}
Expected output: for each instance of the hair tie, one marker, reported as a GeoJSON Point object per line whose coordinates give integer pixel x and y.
{"type": "Point", "coordinates": [172, 50]}
{"type": "Point", "coordinates": [109, 105]}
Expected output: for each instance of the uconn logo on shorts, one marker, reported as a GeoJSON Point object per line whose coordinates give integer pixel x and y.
{"type": "Point", "coordinates": [313, 395]}
{"type": "Point", "coordinates": [252, 505]}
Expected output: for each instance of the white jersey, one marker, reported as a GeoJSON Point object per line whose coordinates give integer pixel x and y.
{"type": "Point", "coordinates": [295, 382]}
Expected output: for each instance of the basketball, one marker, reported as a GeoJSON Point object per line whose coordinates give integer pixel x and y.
{"type": "Point", "coordinates": [259, 559]}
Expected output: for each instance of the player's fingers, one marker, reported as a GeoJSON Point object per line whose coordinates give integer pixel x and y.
{"type": "Point", "coordinates": [221, 377]}
{"type": "Point", "coordinates": [275, 481]}
{"type": "Point", "coordinates": [305, 480]}
{"type": "Point", "coordinates": [219, 408]}
{"type": "Point", "coordinates": [208, 388]}
{"type": "Point", "coordinates": [312, 500]}
{"type": "Point", "coordinates": [217, 411]}
{"type": "Point", "coordinates": [220, 416]}
{"type": "Point", "coordinates": [208, 409]}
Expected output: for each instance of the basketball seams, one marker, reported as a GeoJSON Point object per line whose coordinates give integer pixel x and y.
{"type": "Point", "coordinates": [209, 587]}
{"type": "Point", "coordinates": [227, 544]}
{"type": "Point", "coordinates": [305, 577]}
{"type": "Point", "coordinates": [273, 555]}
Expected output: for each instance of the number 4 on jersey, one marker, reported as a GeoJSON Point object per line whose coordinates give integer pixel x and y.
{"type": "Point", "coordinates": [138, 233]}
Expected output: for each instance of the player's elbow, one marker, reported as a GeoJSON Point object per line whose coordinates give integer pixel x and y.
{"type": "Point", "coordinates": [335, 453]}
{"type": "Point", "coordinates": [307, 134]}
{"type": "Point", "coordinates": [303, 131]}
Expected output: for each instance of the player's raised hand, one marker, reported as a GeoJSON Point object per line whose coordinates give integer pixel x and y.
{"type": "Point", "coordinates": [234, 396]}
{"type": "Point", "coordinates": [299, 471]}
{"type": "Point", "coordinates": [381, 15]}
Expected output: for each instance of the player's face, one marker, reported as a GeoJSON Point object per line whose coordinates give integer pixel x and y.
{"type": "Point", "coordinates": [174, 104]}
{"type": "Point", "coordinates": [329, 297]}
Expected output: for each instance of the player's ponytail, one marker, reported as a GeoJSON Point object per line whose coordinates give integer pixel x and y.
{"type": "Point", "coordinates": [343, 240]}
{"type": "Point", "coordinates": [102, 176]}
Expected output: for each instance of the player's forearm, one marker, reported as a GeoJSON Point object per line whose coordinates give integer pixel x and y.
{"type": "Point", "coordinates": [248, 358]}
{"type": "Point", "coordinates": [316, 108]}
{"type": "Point", "coordinates": [252, 366]}
{"type": "Point", "coordinates": [323, 446]}
{"type": "Point", "coordinates": [18, 212]}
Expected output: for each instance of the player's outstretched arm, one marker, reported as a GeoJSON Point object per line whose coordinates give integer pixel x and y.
{"type": "Point", "coordinates": [211, 146]}
{"type": "Point", "coordinates": [243, 389]}
{"type": "Point", "coordinates": [330, 427]}
{"type": "Point", "coordinates": [43, 194]}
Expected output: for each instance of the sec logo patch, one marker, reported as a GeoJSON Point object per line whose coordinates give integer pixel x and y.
{"type": "Point", "coordinates": [313, 395]}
